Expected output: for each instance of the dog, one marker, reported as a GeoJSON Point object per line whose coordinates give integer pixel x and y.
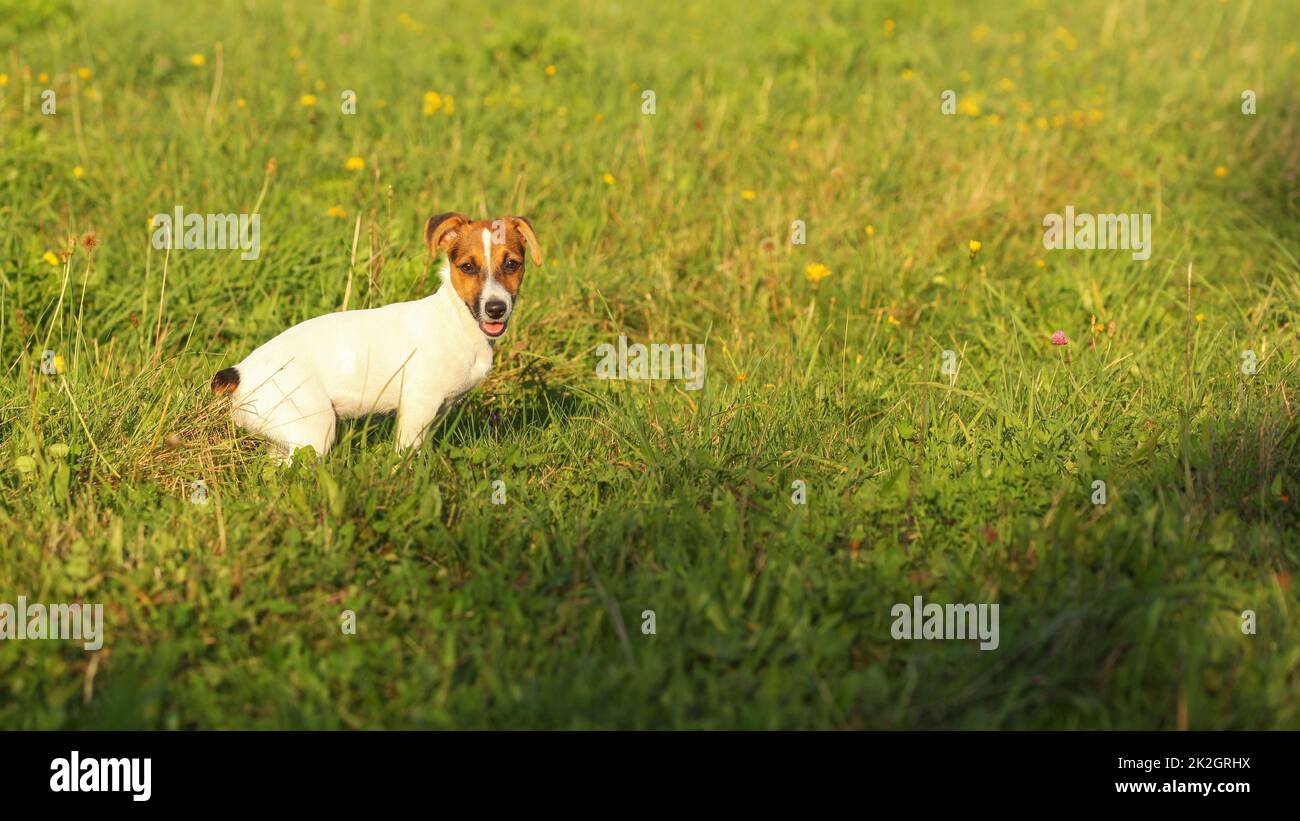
{"type": "Point", "coordinates": [414, 358]}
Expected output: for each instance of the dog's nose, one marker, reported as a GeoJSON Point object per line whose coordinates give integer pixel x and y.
{"type": "Point", "coordinates": [495, 309]}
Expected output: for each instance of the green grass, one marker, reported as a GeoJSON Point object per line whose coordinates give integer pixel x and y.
{"type": "Point", "coordinates": [632, 496]}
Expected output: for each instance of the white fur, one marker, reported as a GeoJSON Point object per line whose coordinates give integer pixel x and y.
{"type": "Point", "coordinates": [411, 357]}
{"type": "Point", "coordinates": [492, 289]}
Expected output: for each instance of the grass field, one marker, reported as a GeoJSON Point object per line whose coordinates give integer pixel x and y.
{"type": "Point", "coordinates": [628, 496]}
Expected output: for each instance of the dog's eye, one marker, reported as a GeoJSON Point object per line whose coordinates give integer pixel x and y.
{"type": "Point", "coordinates": [468, 267]}
{"type": "Point", "coordinates": [511, 265]}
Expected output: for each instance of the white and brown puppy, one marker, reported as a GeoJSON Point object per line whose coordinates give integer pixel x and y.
{"type": "Point", "coordinates": [410, 357]}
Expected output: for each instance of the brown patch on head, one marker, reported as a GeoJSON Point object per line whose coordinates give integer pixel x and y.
{"type": "Point", "coordinates": [478, 248]}
{"type": "Point", "coordinates": [450, 232]}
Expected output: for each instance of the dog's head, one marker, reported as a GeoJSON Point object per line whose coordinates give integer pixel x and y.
{"type": "Point", "coordinates": [486, 263]}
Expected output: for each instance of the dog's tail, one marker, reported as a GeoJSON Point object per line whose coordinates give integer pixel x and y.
{"type": "Point", "coordinates": [226, 381]}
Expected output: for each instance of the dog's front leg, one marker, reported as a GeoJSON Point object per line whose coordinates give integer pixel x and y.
{"type": "Point", "coordinates": [412, 422]}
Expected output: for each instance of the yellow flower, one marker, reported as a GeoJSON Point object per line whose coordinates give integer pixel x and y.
{"type": "Point", "coordinates": [336, 211]}
{"type": "Point", "coordinates": [975, 246]}
{"type": "Point", "coordinates": [889, 28]}
{"type": "Point", "coordinates": [432, 102]}
{"type": "Point", "coordinates": [409, 23]}
{"type": "Point", "coordinates": [295, 52]}
{"type": "Point", "coordinates": [307, 100]}
{"type": "Point", "coordinates": [83, 73]}
{"type": "Point", "coordinates": [78, 172]}
{"type": "Point", "coordinates": [320, 85]}
{"type": "Point", "coordinates": [1221, 172]}
{"type": "Point", "coordinates": [1005, 84]}
{"type": "Point", "coordinates": [49, 257]}
{"type": "Point", "coordinates": [871, 230]}
{"type": "Point", "coordinates": [1200, 317]}
{"type": "Point", "coordinates": [241, 103]}
{"type": "Point", "coordinates": [979, 33]}
{"type": "Point", "coordinates": [600, 118]}
{"type": "Point", "coordinates": [608, 178]}
{"type": "Point", "coordinates": [550, 71]}
{"type": "Point", "coordinates": [1039, 263]}
{"type": "Point", "coordinates": [740, 377]}
{"type": "Point", "coordinates": [43, 77]}
{"type": "Point", "coordinates": [815, 272]}
{"type": "Point", "coordinates": [1065, 37]}
{"type": "Point", "coordinates": [448, 104]}
{"type": "Point", "coordinates": [907, 74]}
{"type": "Point", "coordinates": [793, 146]}
{"type": "Point", "coordinates": [892, 321]}
{"type": "Point", "coordinates": [197, 59]}
{"type": "Point", "coordinates": [4, 80]}
{"type": "Point", "coordinates": [354, 164]}
{"type": "Point", "coordinates": [748, 195]}
{"type": "Point", "coordinates": [969, 107]}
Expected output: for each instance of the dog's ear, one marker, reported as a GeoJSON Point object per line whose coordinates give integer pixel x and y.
{"type": "Point", "coordinates": [442, 228]}
{"type": "Point", "coordinates": [523, 226]}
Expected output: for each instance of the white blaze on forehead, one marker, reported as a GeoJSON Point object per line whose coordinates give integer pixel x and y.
{"type": "Point", "coordinates": [491, 288]}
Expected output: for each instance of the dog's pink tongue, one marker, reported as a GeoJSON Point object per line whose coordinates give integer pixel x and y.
{"type": "Point", "coordinates": [494, 328]}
